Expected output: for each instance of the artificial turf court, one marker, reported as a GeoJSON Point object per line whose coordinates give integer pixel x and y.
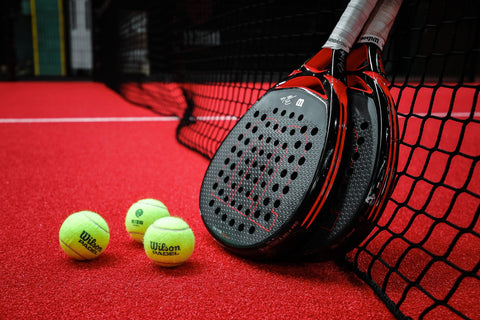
{"type": "Point", "coordinates": [71, 146]}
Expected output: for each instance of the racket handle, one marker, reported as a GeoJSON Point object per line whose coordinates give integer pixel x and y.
{"type": "Point", "coordinates": [378, 26]}
{"type": "Point", "coordinates": [350, 25]}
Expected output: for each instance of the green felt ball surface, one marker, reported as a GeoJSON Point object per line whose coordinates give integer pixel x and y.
{"type": "Point", "coordinates": [141, 215]}
{"type": "Point", "coordinates": [84, 235]}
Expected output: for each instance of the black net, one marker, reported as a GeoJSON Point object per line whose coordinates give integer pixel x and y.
{"type": "Point", "coordinates": [207, 61]}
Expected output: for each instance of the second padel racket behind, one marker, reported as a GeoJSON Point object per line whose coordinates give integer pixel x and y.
{"type": "Point", "coordinates": [373, 142]}
{"type": "Point", "coordinates": [369, 89]}
{"type": "Point", "coordinates": [269, 180]}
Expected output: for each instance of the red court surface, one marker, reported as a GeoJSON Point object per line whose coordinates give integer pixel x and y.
{"type": "Point", "coordinates": [66, 147]}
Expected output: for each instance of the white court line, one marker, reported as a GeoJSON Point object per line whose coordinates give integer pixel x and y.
{"type": "Point", "coordinates": [110, 119]}
{"type": "Point", "coordinates": [99, 119]}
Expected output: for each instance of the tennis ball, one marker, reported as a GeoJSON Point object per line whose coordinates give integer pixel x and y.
{"type": "Point", "coordinates": [169, 242]}
{"type": "Point", "coordinates": [84, 235]}
{"type": "Point", "coordinates": [141, 215]}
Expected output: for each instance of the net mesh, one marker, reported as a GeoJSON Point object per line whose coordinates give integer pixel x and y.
{"type": "Point", "coordinates": [206, 62]}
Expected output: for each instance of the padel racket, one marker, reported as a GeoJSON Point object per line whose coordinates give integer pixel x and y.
{"type": "Point", "coordinates": [272, 177]}
{"type": "Point", "coordinates": [373, 140]}
{"type": "Point", "coordinates": [365, 63]}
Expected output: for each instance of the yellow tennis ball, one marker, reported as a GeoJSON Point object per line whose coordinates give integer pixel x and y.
{"type": "Point", "coordinates": [169, 242]}
{"type": "Point", "coordinates": [141, 215]}
{"type": "Point", "coordinates": [84, 235]}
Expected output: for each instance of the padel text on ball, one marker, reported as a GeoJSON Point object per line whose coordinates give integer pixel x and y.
{"type": "Point", "coordinates": [162, 249]}
{"type": "Point", "coordinates": [89, 242]}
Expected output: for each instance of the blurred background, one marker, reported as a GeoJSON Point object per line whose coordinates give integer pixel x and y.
{"type": "Point", "coordinates": [45, 38]}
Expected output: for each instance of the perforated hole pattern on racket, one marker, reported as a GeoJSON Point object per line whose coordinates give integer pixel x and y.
{"type": "Point", "coordinates": [265, 167]}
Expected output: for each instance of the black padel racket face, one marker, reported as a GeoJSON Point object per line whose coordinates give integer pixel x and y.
{"type": "Point", "coordinates": [273, 163]}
